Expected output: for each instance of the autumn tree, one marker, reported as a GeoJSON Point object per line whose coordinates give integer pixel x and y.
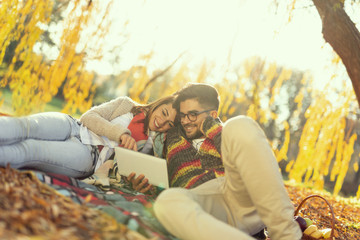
{"type": "Point", "coordinates": [327, 141]}
{"type": "Point", "coordinates": [342, 34]}
{"type": "Point", "coordinates": [339, 31]}
{"type": "Point", "coordinates": [32, 78]}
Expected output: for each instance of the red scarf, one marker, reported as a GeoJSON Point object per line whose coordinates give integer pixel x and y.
{"type": "Point", "coordinates": [136, 127]}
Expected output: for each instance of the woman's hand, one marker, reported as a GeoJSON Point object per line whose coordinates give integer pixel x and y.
{"type": "Point", "coordinates": [140, 183]}
{"type": "Point", "coordinates": [128, 142]}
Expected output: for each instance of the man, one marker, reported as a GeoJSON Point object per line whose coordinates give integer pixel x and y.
{"type": "Point", "coordinates": [208, 202]}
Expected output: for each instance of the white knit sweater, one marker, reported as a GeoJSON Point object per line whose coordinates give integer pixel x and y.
{"type": "Point", "coordinates": [98, 118]}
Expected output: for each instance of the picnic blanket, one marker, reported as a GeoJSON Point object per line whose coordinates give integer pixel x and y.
{"type": "Point", "coordinates": [108, 192]}
{"type": "Point", "coordinates": [127, 206]}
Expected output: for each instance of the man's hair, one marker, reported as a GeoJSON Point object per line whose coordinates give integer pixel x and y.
{"type": "Point", "coordinates": [205, 94]}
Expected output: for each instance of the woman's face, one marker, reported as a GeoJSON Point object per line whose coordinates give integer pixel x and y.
{"type": "Point", "coordinates": [162, 119]}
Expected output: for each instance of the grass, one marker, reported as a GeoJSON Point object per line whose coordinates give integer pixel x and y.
{"type": "Point", "coordinates": [6, 106]}
{"type": "Point", "coordinates": [55, 105]}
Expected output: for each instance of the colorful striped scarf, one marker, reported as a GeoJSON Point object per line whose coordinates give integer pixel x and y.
{"type": "Point", "coordinates": [189, 167]}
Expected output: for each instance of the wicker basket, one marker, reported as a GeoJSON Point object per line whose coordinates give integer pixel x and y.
{"type": "Point", "coordinates": [306, 237]}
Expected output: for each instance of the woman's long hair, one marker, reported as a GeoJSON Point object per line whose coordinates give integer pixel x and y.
{"type": "Point", "coordinates": [148, 109]}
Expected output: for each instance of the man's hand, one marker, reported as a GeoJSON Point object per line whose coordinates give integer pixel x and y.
{"type": "Point", "coordinates": [140, 183]}
{"type": "Point", "coordinates": [202, 124]}
{"type": "Point", "coordinates": [128, 142]}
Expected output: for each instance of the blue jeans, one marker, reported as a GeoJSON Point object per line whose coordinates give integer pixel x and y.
{"type": "Point", "coordinates": [48, 142]}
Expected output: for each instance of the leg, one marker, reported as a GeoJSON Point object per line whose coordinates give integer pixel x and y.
{"type": "Point", "coordinates": [199, 213]}
{"type": "Point", "coordinates": [70, 157]}
{"type": "Point", "coordinates": [253, 180]}
{"type": "Point", "coordinates": [43, 126]}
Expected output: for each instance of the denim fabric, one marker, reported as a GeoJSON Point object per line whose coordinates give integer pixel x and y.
{"type": "Point", "coordinates": [47, 142]}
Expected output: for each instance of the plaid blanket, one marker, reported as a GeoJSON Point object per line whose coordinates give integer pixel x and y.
{"type": "Point", "coordinates": [127, 206]}
{"type": "Point", "coordinates": [108, 193]}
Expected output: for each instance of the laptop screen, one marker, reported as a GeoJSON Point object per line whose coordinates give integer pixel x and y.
{"type": "Point", "coordinates": [153, 168]}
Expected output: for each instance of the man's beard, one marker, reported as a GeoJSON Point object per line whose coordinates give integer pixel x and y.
{"type": "Point", "coordinates": [195, 135]}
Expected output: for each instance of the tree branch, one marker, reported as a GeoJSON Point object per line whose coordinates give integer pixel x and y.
{"type": "Point", "coordinates": [156, 76]}
{"type": "Point", "coordinates": [341, 33]}
{"type": "Point", "coordinates": [163, 71]}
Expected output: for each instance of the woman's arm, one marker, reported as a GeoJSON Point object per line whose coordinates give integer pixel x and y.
{"type": "Point", "coordinates": [98, 118]}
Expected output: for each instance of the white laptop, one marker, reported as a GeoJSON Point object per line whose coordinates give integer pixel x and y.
{"type": "Point", "coordinates": [154, 168]}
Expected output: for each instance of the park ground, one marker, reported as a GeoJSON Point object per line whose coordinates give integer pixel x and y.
{"type": "Point", "coordinates": [25, 201]}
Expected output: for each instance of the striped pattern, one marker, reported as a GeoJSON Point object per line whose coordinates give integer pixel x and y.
{"type": "Point", "coordinates": [188, 167]}
{"type": "Point", "coordinates": [185, 168]}
{"type": "Point", "coordinates": [213, 131]}
{"type": "Point", "coordinates": [208, 148]}
{"type": "Point", "coordinates": [177, 147]}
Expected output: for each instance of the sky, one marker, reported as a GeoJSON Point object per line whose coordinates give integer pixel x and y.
{"type": "Point", "coordinates": [206, 29]}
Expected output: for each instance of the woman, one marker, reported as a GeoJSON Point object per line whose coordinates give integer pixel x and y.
{"type": "Point", "coordinates": [56, 142]}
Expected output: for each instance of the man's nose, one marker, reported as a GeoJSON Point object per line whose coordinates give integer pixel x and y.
{"type": "Point", "coordinates": [185, 120]}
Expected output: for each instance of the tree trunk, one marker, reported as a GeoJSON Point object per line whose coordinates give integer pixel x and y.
{"type": "Point", "coordinates": [341, 33]}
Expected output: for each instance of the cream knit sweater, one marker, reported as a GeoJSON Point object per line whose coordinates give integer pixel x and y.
{"type": "Point", "coordinates": [98, 118]}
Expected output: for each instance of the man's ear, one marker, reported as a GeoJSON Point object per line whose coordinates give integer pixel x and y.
{"type": "Point", "coordinates": [214, 114]}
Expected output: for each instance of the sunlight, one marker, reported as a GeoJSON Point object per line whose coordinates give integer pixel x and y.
{"type": "Point", "coordinates": [208, 30]}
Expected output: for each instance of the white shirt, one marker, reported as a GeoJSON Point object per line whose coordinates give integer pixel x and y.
{"type": "Point", "coordinates": [90, 138]}
{"type": "Point", "coordinates": [197, 143]}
